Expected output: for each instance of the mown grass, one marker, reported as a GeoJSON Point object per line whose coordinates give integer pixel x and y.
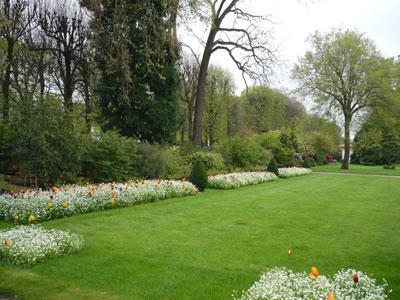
{"type": "Point", "coordinates": [206, 246]}
{"type": "Point", "coordinates": [358, 169]}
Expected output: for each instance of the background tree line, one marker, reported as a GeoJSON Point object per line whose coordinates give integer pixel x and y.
{"type": "Point", "coordinates": [91, 89]}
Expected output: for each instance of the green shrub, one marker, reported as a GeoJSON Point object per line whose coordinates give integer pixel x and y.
{"type": "Point", "coordinates": [273, 167]}
{"type": "Point", "coordinates": [151, 161]}
{"type": "Point", "coordinates": [199, 176]}
{"type": "Point", "coordinates": [109, 157]}
{"type": "Point", "coordinates": [211, 160]}
{"type": "Point", "coordinates": [176, 165]}
{"type": "Point", "coordinates": [242, 153]}
{"type": "Point", "coordinates": [306, 164]}
{"type": "Point", "coordinates": [281, 146]}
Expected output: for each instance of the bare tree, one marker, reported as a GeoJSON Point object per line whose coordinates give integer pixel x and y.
{"type": "Point", "coordinates": [66, 27]}
{"type": "Point", "coordinates": [16, 17]}
{"type": "Point", "coordinates": [189, 69]}
{"type": "Point", "coordinates": [237, 32]}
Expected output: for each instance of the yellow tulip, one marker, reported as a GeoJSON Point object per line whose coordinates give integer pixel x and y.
{"type": "Point", "coordinates": [113, 202]}
{"type": "Point", "coordinates": [331, 296]}
{"type": "Point", "coordinates": [65, 204]}
{"type": "Point", "coordinates": [16, 218]}
{"type": "Point", "coordinates": [31, 219]}
{"type": "Point", "coordinates": [50, 205]}
{"type": "Point", "coordinates": [7, 242]}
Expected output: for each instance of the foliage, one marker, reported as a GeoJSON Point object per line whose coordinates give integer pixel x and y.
{"type": "Point", "coordinates": [212, 160]}
{"type": "Point", "coordinates": [109, 157]}
{"type": "Point", "coordinates": [281, 283]}
{"type": "Point", "coordinates": [342, 73]}
{"type": "Point", "coordinates": [273, 167]}
{"type": "Point", "coordinates": [268, 109]}
{"type": "Point", "coordinates": [38, 206]}
{"type": "Point", "coordinates": [306, 164]}
{"type": "Point", "coordinates": [242, 153]}
{"type": "Point", "coordinates": [46, 142]}
{"type": "Point", "coordinates": [26, 245]}
{"type": "Point", "coordinates": [236, 180]}
{"type": "Point", "coordinates": [282, 144]}
{"type": "Point", "coordinates": [198, 175]}
{"type": "Point", "coordinates": [136, 56]}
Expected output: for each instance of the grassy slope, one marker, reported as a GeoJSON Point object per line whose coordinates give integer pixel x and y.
{"type": "Point", "coordinates": [206, 246]}
{"type": "Point", "coordinates": [358, 169]}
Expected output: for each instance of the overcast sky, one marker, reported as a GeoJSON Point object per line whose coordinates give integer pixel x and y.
{"type": "Point", "coordinates": [296, 19]}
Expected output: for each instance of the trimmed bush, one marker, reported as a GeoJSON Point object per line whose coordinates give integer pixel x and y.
{"type": "Point", "coordinates": [199, 176]}
{"type": "Point", "coordinates": [306, 164]}
{"type": "Point", "coordinates": [272, 167]}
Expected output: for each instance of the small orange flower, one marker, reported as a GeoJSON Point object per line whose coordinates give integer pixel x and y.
{"type": "Point", "coordinates": [331, 296]}
{"type": "Point", "coordinates": [7, 242]}
{"type": "Point", "coordinates": [314, 273]}
{"type": "Point", "coordinates": [54, 189]}
{"type": "Point", "coordinates": [113, 194]}
{"type": "Point", "coordinates": [92, 192]}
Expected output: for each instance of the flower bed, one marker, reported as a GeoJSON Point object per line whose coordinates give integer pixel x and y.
{"type": "Point", "coordinates": [27, 245]}
{"type": "Point", "coordinates": [292, 172]}
{"type": "Point", "coordinates": [37, 205]}
{"type": "Point", "coordinates": [235, 180]}
{"type": "Point", "coordinates": [281, 283]}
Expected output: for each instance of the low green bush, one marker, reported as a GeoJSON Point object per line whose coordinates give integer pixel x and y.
{"type": "Point", "coordinates": [273, 167]}
{"type": "Point", "coordinates": [306, 164]}
{"type": "Point", "coordinates": [199, 176]}
{"type": "Point", "coordinates": [109, 157]}
{"type": "Point", "coordinates": [212, 161]}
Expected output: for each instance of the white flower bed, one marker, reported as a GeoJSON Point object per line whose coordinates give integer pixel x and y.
{"type": "Point", "coordinates": [37, 205]}
{"type": "Point", "coordinates": [291, 172]}
{"type": "Point", "coordinates": [235, 180]}
{"type": "Point", "coordinates": [27, 245]}
{"type": "Point", "coordinates": [281, 283]}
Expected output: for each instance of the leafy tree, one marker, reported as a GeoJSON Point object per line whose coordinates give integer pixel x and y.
{"type": "Point", "coordinates": [340, 73]}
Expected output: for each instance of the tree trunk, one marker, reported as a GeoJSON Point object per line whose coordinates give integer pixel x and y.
{"type": "Point", "coordinates": [68, 83]}
{"type": "Point", "coordinates": [190, 118]}
{"type": "Point", "coordinates": [7, 79]}
{"type": "Point", "coordinates": [346, 159]}
{"type": "Point", "coordinates": [201, 87]}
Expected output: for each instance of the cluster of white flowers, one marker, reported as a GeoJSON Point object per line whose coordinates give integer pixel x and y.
{"type": "Point", "coordinates": [27, 245]}
{"type": "Point", "coordinates": [291, 172]}
{"type": "Point", "coordinates": [281, 283]}
{"type": "Point", "coordinates": [235, 180]}
{"type": "Point", "coordinates": [37, 205]}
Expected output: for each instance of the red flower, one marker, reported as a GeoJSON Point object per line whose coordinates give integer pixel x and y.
{"type": "Point", "coordinates": [356, 278]}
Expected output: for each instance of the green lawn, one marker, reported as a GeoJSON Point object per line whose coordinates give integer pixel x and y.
{"type": "Point", "coordinates": [206, 246]}
{"type": "Point", "coordinates": [358, 169]}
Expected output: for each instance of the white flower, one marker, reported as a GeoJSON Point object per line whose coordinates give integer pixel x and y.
{"type": "Point", "coordinates": [30, 244]}
{"type": "Point", "coordinates": [38, 205]}
{"type": "Point", "coordinates": [235, 180]}
{"type": "Point", "coordinates": [291, 172]}
{"type": "Point", "coordinates": [281, 283]}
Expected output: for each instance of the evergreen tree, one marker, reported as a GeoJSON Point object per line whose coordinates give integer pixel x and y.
{"type": "Point", "coordinates": [136, 55]}
{"type": "Point", "coordinates": [199, 176]}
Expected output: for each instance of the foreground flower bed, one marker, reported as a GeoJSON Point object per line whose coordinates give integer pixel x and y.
{"type": "Point", "coordinates": [235, 180]}
{"type": "Point", "coordinates": [292, 172]}
{"type": "Point", "coordinates": [281, 283]}
{"type": "Point", "coordinates": [26, 245]}
{"type": "Point", "coordinates": [37, 205]}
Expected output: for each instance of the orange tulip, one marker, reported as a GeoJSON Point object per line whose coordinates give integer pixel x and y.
{"type": "Point", "coordinates": [331, 296]}
{"type": "Point", "coordinates": [7, 242]}
{"type": "Point", "coordinates": [314, 272]}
